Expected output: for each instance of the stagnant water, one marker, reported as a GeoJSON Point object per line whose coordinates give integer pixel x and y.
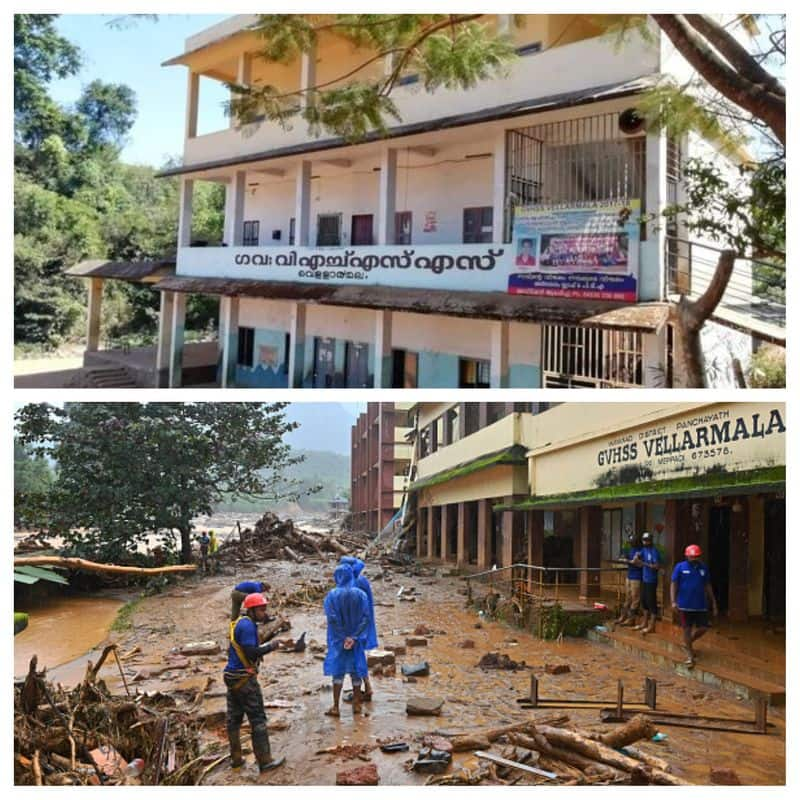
{"type": "Point", "coordinates": [62, 630]}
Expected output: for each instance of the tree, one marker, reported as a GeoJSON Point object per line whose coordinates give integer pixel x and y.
{"type": "Point", "coordinates": [109, 111]}
{"type": "Point", "coordinates": [33, 478]}
{"type": "Point", "coordinates": [128, 470]}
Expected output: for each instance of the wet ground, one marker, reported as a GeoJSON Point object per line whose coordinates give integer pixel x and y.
{"type": "Point", "coordinates": [197, 610]}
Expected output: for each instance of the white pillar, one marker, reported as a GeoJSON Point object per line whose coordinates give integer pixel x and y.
{"type": "Point", "coordinates": [308, 77]}
{"type": "Point", "coordinates": [652, 285]}
{"type": "Point", "coordinates": [654, 367]}
{"type": "Point", "coordinates": [185, 213]}
{"type": "Point", "coordinates": [297, 345]}
{"type": "Point", "coordinates": [504, 24]}
{"type": "Point", "coordinates": [164, 339]}
{"type": "Point", "coordinates": [228, 340]}
{"type": "Point", "coordinates": [176, 339]}
{"type": "Point", "coordinates": [228, 228]}
{"type": "Point", "coordinates": [244, 77]}
{"type": "Point", "coordinates": [192, 102]}
{"type": "Point", "coordinates": [387, 196]}
{"type": "Point", "coordinates": [302, 207]}
{"type": "Point", "coordinates": [382, 368]}
{"type": "Point", "coordinates": [93, 314]}
{"type": "Point", "coordinates": [238, 187]}
{"type": "Point", "coordinates": [499, 359]}
{"type": "Point", "coordinates": [499, 187]}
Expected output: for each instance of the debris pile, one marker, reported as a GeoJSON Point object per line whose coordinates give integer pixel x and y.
{"type": "Point", "coordinates": [87, 736]}
{"type": "Point", "coordinates": [499, 661]}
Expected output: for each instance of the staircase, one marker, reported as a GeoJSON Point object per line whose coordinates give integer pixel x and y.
{"type": "Point", "coordinates": [104, 378]}
{"type": "Point", "coordinates": [720, 663]}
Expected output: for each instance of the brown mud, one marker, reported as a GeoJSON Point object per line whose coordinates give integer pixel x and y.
{"type": "Point", "coordinates": [196, 609]}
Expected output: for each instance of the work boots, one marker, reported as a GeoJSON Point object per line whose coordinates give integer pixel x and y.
{"type": "Point", "coordinates": [263, 752]}
{"type": "Point", "coordinates": [356, 700]}
{"type": "Point", "coordinates": [235, 740]}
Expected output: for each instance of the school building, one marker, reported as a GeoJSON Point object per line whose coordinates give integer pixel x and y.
{"type": "Point", "coordinates": [491, 238]}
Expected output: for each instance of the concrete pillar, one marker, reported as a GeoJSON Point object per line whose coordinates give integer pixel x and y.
{"type": "Point", "coordinates": [654, 368]}
{"type": "Point", "coordinates": [239, 187]}
{"type": "Point", "coordinates": [176, 339]}
{"type": "Point", "coordinates": [589, 549]}
{"type": "Point", "coordinates": [444, 533]}
{"type": "Point", "coordinates": [431, 539]}
{"type": "Point", "coordinates": [484, 534]}
{"type": "Point", "coordinates": [382, 353]}
{"type": "Point", "coordinates": [192, 103]}
{"type": "Point", "coordinates": [462, 557]}
{"type": "Point", "coordinates": [228, 340]}
{"type": "Point", "coordinates": [499, 188]}
{"type": "Point", "coordinates": [302, 204]}
{"type": "Point", "coordinates": [185, 213]}
{"type": "Point", "coordinates": [164, 339]}
{"type": "Point", "coordinates": [387, 196]}
{"type": "Point", "coordinates": [651, 265]}
{"type": "Point", "coordinates": [504, 24]}
{"type": "Point", "coordinates": [535, 524]}
{"type": "Point", "coordinates": [499, 363]}
{"type": "Point", "coordinates": [229, 212]}
{"type": "Point", "coordinates": [513, 531]}
{"type": "Point", "coordinates": [308, 77]}
{"type": "Point", "coordinates": [244, 69]}
{"type": "Point", "coordinates": [297, 345]}
{"type": "Point", "coordinates": [739, 560]}
{"type": "Point", "coordinates": [422, 531]}
{"type": "Point", "coordinates": [93, 314]}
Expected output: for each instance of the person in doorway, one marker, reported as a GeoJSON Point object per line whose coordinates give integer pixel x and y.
{"type": "Point", "coordinates": [631, 555]}
{"type": "Point", "coordinates": [691, 595]}
{"type": "Point", "coordinates": [650, 561]}
{"type": "Point", "coordinates": [243, 690]}
{"type": "Point", "coordinates": [205, 541]}
{"type": "Point", "coordinates": [347, 612]}
{"type": "Point", "coordinates": [240, 591]}
{"type": "Point", "coordinates": [362, 582]}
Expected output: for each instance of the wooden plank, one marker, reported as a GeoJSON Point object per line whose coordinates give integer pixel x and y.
{"type": "Point", "coordinates": [516, 765]}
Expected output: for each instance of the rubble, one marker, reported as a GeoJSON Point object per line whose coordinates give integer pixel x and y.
{"type": "Point", "coordinates": [724, 777]}
{"type": "Point", "coordinates": [416, 641]}
{"type": "Point", "coordinates": [376, 657]}
{"type": "Point", "coordinates": [358, 776]}
{"type": "Point", "coordinates": [557, 669]}
{"type": "Point", "coordinates": [424, 706]}
{"type": "Point", "coordinates": [200, 649]}
{"type": "Point", "coordinates": [419, 670]}
{"type": "Point", "coordinates": [500, 661]}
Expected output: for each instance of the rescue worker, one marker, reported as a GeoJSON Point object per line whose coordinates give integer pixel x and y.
{"type": "Point", "coordinates": [213, 546]}
{"type": "Point", "coordinates": [691, 595]}
{"type": "Point", "coordinates": [633, 582]}
{"type": "Point", "coordinates": [347, 612]}
{"type": "Point", "coordinates": [650, 561]}
{"type": "Point", "coordinates": [240, 591]}
{"type": "Point", "coordinates": [362, 582]}
{"type": "Point", "coordinates": [241, 679]}
{"type": "Point", "coordinates": [205, 541]}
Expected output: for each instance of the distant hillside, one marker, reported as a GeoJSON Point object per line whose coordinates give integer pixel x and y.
{"type": "Point", "coordinates": [322, 468]}
{"type": "Point", "coordinates": [323, 426]}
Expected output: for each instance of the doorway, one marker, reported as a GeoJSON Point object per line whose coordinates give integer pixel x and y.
{"type": "Point", "coordinates": [361, 230]}
{"type": "Point", "coordinates": [775, 559]}
{"type": "Point", "coordinates": [719, 553]}
{"type": "Point", "coordinates": [324, 364]}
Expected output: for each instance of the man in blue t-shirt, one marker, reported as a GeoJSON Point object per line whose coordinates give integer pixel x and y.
{"type": "Point", "coordinates": [649, 560]}
{"type": "Point", "coordinates": [633, 582]}
{"type": "Point", "coordinates": [241, 590]}
{"type": "Point", "coordinates": [691, 594]}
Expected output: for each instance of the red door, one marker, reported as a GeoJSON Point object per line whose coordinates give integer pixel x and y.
{"type": "Point", "coordinates": [361, 232]}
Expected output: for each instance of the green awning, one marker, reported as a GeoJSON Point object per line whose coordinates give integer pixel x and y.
{"type": "Point", "coordinates": [516, 454]}
{"type": "Point", "coordinates": [43, 573]}
{"type": "Point", "coordinates": [768, 479]}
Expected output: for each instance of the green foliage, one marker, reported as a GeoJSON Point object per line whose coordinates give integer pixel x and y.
{"type": "Point", "coordinates": [554, 621]}
{"type": "Point", "coordinates": [129, 470]}
{"type": "Point", "coordinates": [124, 619]}
{"type": "Point", "coordinates": [768, 368]}
{"type": "Point", "coordinates": [20, 622]}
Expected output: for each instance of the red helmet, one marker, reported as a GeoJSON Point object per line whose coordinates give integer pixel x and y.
{"type": "Point", "coordinates": [255, 600]}
{"type": "Point", "coordinates": [693, 551]}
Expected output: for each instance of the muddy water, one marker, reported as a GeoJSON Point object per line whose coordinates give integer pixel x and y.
{"type": "Point", "coordinates": [473, 698]}
{"type": "Point", "coordinates": [62, 630]}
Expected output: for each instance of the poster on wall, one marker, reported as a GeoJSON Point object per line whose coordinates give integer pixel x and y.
{"type": "Point", "coordinates": [587, 253]}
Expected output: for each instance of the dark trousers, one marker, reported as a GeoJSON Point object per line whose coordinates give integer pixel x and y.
{"type": "Point", "coordinates": [237, 598]}
{"type": "Point", "coordinates": [246, 700]}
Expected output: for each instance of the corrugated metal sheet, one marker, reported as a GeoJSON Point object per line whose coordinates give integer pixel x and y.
{"type": "Point", "coordinates": [135, 271]}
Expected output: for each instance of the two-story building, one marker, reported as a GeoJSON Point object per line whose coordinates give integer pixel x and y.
{"type": "Point", "coordinates": [492, 237]}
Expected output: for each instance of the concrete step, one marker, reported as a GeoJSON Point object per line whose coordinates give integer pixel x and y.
{"type": "Point", "coordinates": [724, 676]}
{"type": "Point", "coordinates": [107, 378]}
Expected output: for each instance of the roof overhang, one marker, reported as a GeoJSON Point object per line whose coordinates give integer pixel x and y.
{"type": "Point", "coordinates": [474, 305]}
{"type": "Point", "coordinates": [513, 456]}
{"type": "Point", "coordinates": [506, 111]}
{"type": "Point", "coordinates": [132, 271]}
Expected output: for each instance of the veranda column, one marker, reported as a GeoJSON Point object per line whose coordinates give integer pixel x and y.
{"type": "Point", "coordinates": [302, 209]}
{"type": "Point", "coordinates": [387, 196]}
{"type": "Point", "coordinates": [192, 100]}
{"type": "Point", "coordinates": [589, 545]}
{"type": "Point", "coordinates": [308, 77]}
{"type": "Point", "coordinates": [297, 345]}
{"type": "Point", "coordinates": [228, 340]}
{"type": "Point", "coordinates": [422, 527]}
{"type": "Point", "coordinates": [652, 282]}
{"type": "Point", "coordinates": [462, 557]}
{"type": "Point", "coordinates": [176, 339]}
{"type": "Point", "coordinates": [382, 368]}
{"type": "Point", "coordinates": [239, 187]}
{"type": "Point", "coordinates": [444, 533]}
{"type": "Point", "coordinates": [535, 546]}
{"type": "Point", "coordinates": [499, 188]}
{"type": "Point", "coordinates": [164, 339]}
{"type": "Point", "coordinates": [93, 314]}
{"type": "Point", "coordinates": [185, 213]}
{"type": "Point", "coordinates": [431, 541]}
{"type": "Point", "coordinates": [499, 363]}
{"type": "Point", "coordinates": [484, 534]}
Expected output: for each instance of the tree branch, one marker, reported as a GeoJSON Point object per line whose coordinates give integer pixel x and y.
{"type": "Point", "coordinates": [701, 309]}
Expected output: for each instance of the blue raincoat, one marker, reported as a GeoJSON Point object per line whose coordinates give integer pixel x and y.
{"type": "Point", "coordinates": [363, 583]}
{"type": "Point", "coordinates": [347, 611]}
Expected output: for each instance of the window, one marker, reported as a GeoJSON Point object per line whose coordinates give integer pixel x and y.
{"type": "Point", "coordinates": [473, 373]}
{"type": "Point", "coordinates": [402, 227]}
{"type": "Point", "coordinates": [329, 230]}
{"type": "Point", "coordinates": [405, 366]}
{"type": "Point", "coordinates": [451, 425]}
{"type": "Point", "coordinates": [494, 412]}
{"type": "Point", "coordinates": [244, 356]}
{"type": "Point", "coordinates": [250, 233]}
{"type": "Point", "coordinates": [478, 225]}
{"type": "Point", "coordinates": [472, 419]}
{"type": "Point", "coordinates": [356, 364]}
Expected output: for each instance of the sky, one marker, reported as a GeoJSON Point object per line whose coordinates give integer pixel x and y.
{"type": "Point", "coordinates": [133, 55]}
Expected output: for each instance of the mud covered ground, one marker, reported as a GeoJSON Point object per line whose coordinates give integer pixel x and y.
{"type": "Point", "coordinates": [197, 609]}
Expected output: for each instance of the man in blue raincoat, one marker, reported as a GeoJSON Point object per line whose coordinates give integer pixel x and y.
{"type": "Point", "coordinates": [347, 611]}
{"type": "Point", "coordinates": [361, 581]}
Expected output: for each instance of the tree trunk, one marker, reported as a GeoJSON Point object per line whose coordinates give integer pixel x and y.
{"type": "Point", "coordinates": [186, 543]}
{"type": "Point", "coordinates": [640, 727]}
{"type": "Point", "coordinates": [93, 566]}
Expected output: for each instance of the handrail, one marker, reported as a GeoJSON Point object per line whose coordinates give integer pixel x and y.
{"type": "Point", "coordinates": [543, 569]}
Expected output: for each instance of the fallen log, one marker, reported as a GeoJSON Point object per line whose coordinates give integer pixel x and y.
{"type": "Point", "coordinates": [558, 754]}
{"type": "Point", "coordinates": [640, 727]}
{"type": "Point", "coordinates": [93, 566]}
{"type": "Point", "coordinates": [292, 555]}
{"type": "Point", "coordinates": [331, 544]}
{"type": "Point", "coordinates": [648, 759]}
{"type": "Point", "coordinates": [469, 740]}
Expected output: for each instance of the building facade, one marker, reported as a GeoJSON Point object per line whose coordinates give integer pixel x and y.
{"type": "Point", "coordinates": [451, 252]}
{"type": "Point", "coordinates": [582, 476]}
{"type": "Point", "coordinates": [380, 457]}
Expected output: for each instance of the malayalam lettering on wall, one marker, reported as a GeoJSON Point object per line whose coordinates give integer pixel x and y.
{"type": "Point", "coordinates": [586, 253]}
